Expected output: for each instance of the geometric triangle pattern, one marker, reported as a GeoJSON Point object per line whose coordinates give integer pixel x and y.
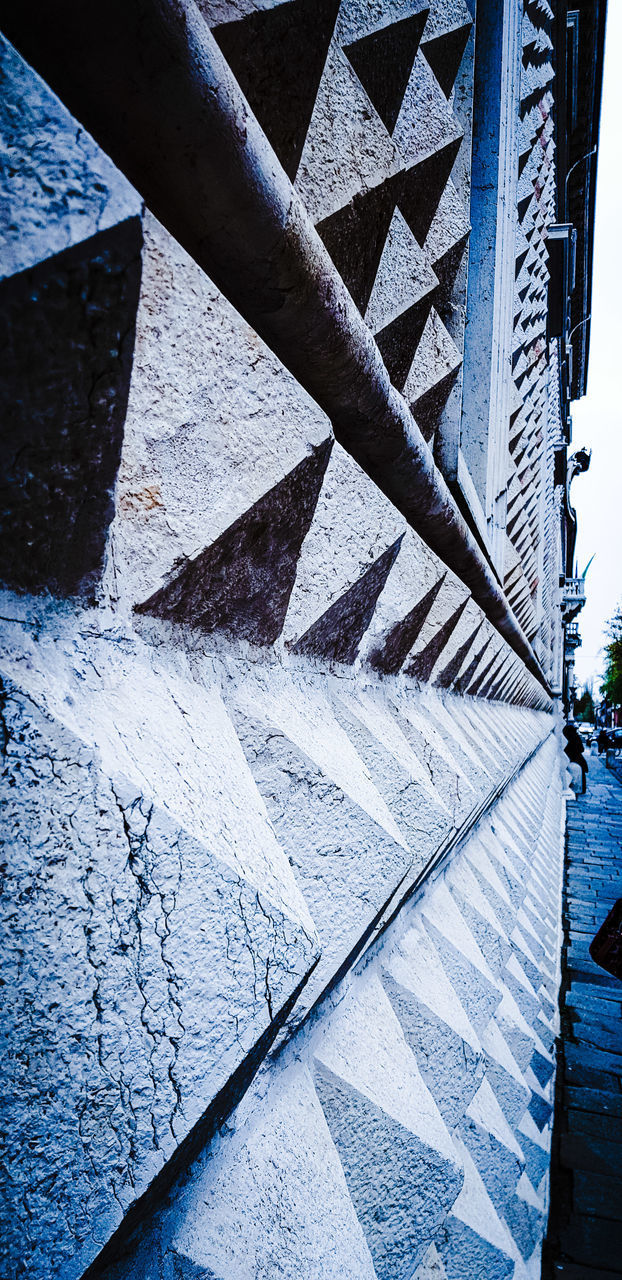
{"type": "Point", "coordinates": [274, 780]}
{"type": "Point", "coordinates": [355, 237]}
{"type": "Point", "coordinates": [423, 186]}
{"type": "Point", "coordinates": [383, 62]}
{"type": "Point", "coordinates": [338, 633]}
{"type": "Point", "coordinates": [403, 1092]}
{"type": "Point", "coordinates": [444, 54]}
{"type": "Point", "coordinates": [423, 664]}
{"type": "Point", "coordinates": [241, 584]}
{"type": "Point", "coordinates": [362, 161]}
{"type": "Point", "coordinates": [277, 56]}
{"type": "Point", "coordinates": [532, 505]}
{"type": "Point", "coordinates": [402, 637]}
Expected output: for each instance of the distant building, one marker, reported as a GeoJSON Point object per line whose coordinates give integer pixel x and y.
{"type": "Point", "coordinates": [295, 298]}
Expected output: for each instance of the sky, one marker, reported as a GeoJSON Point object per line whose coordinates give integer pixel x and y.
{"type": "Point", "coordinates": [597, 418]}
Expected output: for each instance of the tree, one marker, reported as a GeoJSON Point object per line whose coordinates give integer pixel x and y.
{"type": "Point", "coordinates": [611, 687]}
{"type": "Point", "coordinates": [584, 707]}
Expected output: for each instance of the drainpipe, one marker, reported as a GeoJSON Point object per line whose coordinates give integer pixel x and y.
{"type": "Point", "coordinates": [147, 79]}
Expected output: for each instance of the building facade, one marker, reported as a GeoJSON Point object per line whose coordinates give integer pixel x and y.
{"type": "Point", "coordinates": [288, 363]}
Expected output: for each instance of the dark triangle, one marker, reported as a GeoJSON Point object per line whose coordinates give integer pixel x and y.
{"type": "Point", "coordinates": [393, 653]}
{"type": "Point", "coordinates": [450, 672]}
{"type": "Point", "coordinates": [519, 264]}
{"type": "Point", "coordinates": [423, 664]}
{"type": "Point", "coordinates": [444, 54]}
{"type": "Point", "coordinates": [66, 347]}
{"type": "Point", "coordinates": [338, 633]}
{"type": "Point", "coordinates": [522, 160]}
{"type": "Point", "coordinates": [428, 408]}
{"type": "Point", "coordinates": [523, 205]}
{"type": "Point", "coordinates": [463, 683]}
{"type": "Point", "coordinates": [494, 687]}
{"type": "Point", "coordinates": [355, 237]}
{"type": "Point", "coordinates": [383, 62]}
{"type": "Point", "coordinates": [241, 584]}
{"type": "Point", "coordinates": [399, 340]}
{"type": "Point", "coordinates": [423, 186]}
{"type": "Point", "coordinates": [277, 56]}
{"type": "Point", "coordinates": [485, 675]}
{"type": "Point", "coordinates": [509, 682]}
{"type": "Point", "coordinates": [446, 269]}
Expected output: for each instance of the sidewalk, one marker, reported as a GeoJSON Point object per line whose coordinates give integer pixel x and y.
{"type": "Point", "coordinates": [585, 1225]}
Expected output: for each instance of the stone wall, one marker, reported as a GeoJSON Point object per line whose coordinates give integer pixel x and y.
{"type": "Point", "coordinates": [283, 808]}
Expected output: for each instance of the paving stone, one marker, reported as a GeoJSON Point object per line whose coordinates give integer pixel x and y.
{"type": "Point", "coordinates": [592, 1125]}
{"type": "Point", "coordinates": [597, 1195]}
{"type": "Point", "coordinates": [579, 1151]}
{"type": "Point", "coordinates": [569, 1271]}
{"type": "Point", "coordinates": [585, 1226]}
{"type": "Point", "coordinates": [603, 1008]}
{"type": "Point", "coordinates": [591, 1239]}
{"type": "Point", "coordinates": [597, 1100]}
{"type": "Point", "coordinates": [583, 1056]}
{"type": "Point", "coordinates": [598, 1035]}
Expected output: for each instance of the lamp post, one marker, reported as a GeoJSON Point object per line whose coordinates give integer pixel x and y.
{"type": "Point", "coordinates": [572, 168]}
{"type": "Point", "coordinates": [578, 326]}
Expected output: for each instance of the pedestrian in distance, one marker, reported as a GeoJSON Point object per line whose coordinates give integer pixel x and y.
{"type": "Point", "coordinates": [574, 751]}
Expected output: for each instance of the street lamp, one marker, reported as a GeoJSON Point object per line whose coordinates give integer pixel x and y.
{"type": "Point", "coordinates": [578, 326]}
{"type": "Point", "coordinates": [581, 160]}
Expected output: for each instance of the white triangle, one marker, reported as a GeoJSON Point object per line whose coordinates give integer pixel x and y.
{"type": "Point", "coordinates": [519, 941]}
{"type": "Point", "coordinates": [440, 909]}
{"type": "Point", "coordinates": [485, 1111]}
{"type": "Point", "coordinates": [347, 148]}
{"type": "Point", "coordinates": [479, 859]}
{"type": "Point", "coordinates": [449, 224]}
{"type": "Point", "coordinates": [306, 718]}
{"type": "Point", "coordinates": [495, 1046]}
{"type": "Point", "coordinates": [365, 1046]}
{"type": "Point", "coordinates": [526, 1192]}
{"type": "Point", "coordinates": [417, 966]}
{"type": "Point", "coordinates": [424, 726]}
{"type": "Point", "coordinates": [425, 123]}
{"type": "Point", "coordinates": [446, 16]}
{"type": "Point", "coordinates": [460, 728]}
{"type": "Point", "coordinates": [404, 276]}
{"type": "Point", "coordinates": [509, 1010]}
{"type": "Point", "coordinates": [462, 879]}
{"type": "Point", "coordinates": [517, 972]}
{"type": "Point", "coordinates": [384, 727]}
{"type": "Point", "coordinates": [510, 840]}
{"type": "Point", "coordinates": [430, 1267]}
{"type": "Point", "coordinates": [532, 1082]}
{"type": "Point", "coordinates": [436, 356]}
{"type": "Point", "coordinates": [475, 1208]}
{"type": "Point", "coordinates": [530, 1129]}
{"type": "Point", "coordinates": [496, 850]}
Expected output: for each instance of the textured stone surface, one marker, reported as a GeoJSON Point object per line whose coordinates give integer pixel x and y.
{"type": "Point", "coordinates": [57, 186]}
{"type": "Point", "coordinates": [240, 986]}
{"type": "Point", "coordinates": [392, 1089]}
{"type": "Point", "coordinates": [201, 449]}
{"type": "Point", "coordinates": [171, 954]}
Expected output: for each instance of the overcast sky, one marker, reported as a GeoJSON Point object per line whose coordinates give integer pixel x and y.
{"type": "Point", "coordinates": [597, 419]}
